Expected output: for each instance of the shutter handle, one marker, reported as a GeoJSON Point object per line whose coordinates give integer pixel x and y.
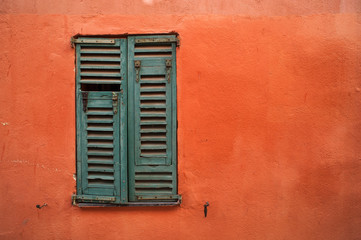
{"type": "Point", "coordinates": [168, 66]}
{"type": "Point", "coordinates": [137, 69]}
{"type": "Point", "coordinates": [115, 102]}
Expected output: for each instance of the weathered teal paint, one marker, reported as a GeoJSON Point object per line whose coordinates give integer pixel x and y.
{"type": "Point", "coordinates": [105, 177]}
{"type": "Point", "coordinates": [124, 121]}
{"type": "Point", "coordinates": [78, 123]}
{"type": "Point", "coordinates": [94, 183]}
{"type": "Point", "coordinates": [135, 164]}
{"type": "Point", "coordinates": [153, 173]}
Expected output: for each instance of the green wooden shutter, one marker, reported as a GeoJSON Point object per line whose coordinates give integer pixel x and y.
{"type": "Point", "coordinates": [99, 117]}
{"type": "Point", "coordinates": [99, 145]}
{"type": "Point", "coordinates": [152, 118]}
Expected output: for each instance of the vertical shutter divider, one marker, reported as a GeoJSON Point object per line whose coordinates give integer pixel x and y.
{"type": "Point", "coordinates": [79, 129]}
{"type": "Point", "coordinates": [124, 122]}
{"type": "Point", "coordinates": [131, 126]}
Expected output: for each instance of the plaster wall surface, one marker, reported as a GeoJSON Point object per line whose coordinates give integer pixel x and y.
{"type": "Point", "coordinates": [269, 112]}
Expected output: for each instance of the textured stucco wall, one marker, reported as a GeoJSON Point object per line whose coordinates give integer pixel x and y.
{"type": "Point", "coordinates": [269, 111]}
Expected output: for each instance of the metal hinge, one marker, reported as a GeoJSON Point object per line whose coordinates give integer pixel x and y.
{"type": "Point", "coordinates": [137, 65]}
{"type": "Point", "coordinates": [170, 39]}
{"type": "Point", "coordinates": [89, 198]}
{"type": "Point", "coordinates": [168, 66]}
{"type": "Point", "coordinates": [73, 41]}
{"type": "Point", "coordinates": [115, 102]}
{"type": "Point", "coordinates": [160, 197]}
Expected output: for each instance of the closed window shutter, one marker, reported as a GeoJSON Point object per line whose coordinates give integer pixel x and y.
{"type": "Point", "coordinates": [98, 122]}
{"type": "Point", "coordinates": [126, 150]}
{"type": "Point", "coordinates": [152, 118]}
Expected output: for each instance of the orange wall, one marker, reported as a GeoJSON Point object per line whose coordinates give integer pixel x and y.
{"type": "Point", "coordinates": [269, 118]}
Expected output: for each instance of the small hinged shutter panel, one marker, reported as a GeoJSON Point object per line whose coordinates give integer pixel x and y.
{"type": "Point", "coordinates": [98, 123]}
{"type": "Point", "coordinates": [152, 118]}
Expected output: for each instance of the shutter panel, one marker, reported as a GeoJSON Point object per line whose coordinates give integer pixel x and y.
{"type": "Point", "coordinates": [98, 122]}
{"type": "Point", "coordinates": [99, 145]}
{"type": "Point", "coordinates": [152, 118]}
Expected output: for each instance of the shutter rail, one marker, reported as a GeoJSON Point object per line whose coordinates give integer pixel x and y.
{"type": "Point", "coordinates": [74, 41]}
{"type": "Point", "coordinates": [159, 197]}
{"type": "Point", "coordinates": [89, 198]}
{"type": "Point", "coordinates": [171, 39]}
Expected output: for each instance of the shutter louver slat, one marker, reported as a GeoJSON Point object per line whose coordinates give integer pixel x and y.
{"type": "Point", "coordinates": [100, 178]}
{"type": "Point", "coordinates": [101, 146]}
{"type": "Point", "coordinates": [148, 183]}
{"type": "Point", "coordinates": [100, 64]}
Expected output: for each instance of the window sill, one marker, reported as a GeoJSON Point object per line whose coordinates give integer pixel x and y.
{"type": "Point", "coordinates": [103, 201]}
{"type": "Point", "coordinates": [135, 204]}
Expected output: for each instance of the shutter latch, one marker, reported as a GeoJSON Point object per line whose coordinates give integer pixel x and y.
{"type": "Point", "coordinates": [115, 102]}
{"type": "Point", "coordinates": [85, 101]}
{"type": "Point", "coordinates": [168, 65]}
{"type": "Point", "coordinates": [137, 69]}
